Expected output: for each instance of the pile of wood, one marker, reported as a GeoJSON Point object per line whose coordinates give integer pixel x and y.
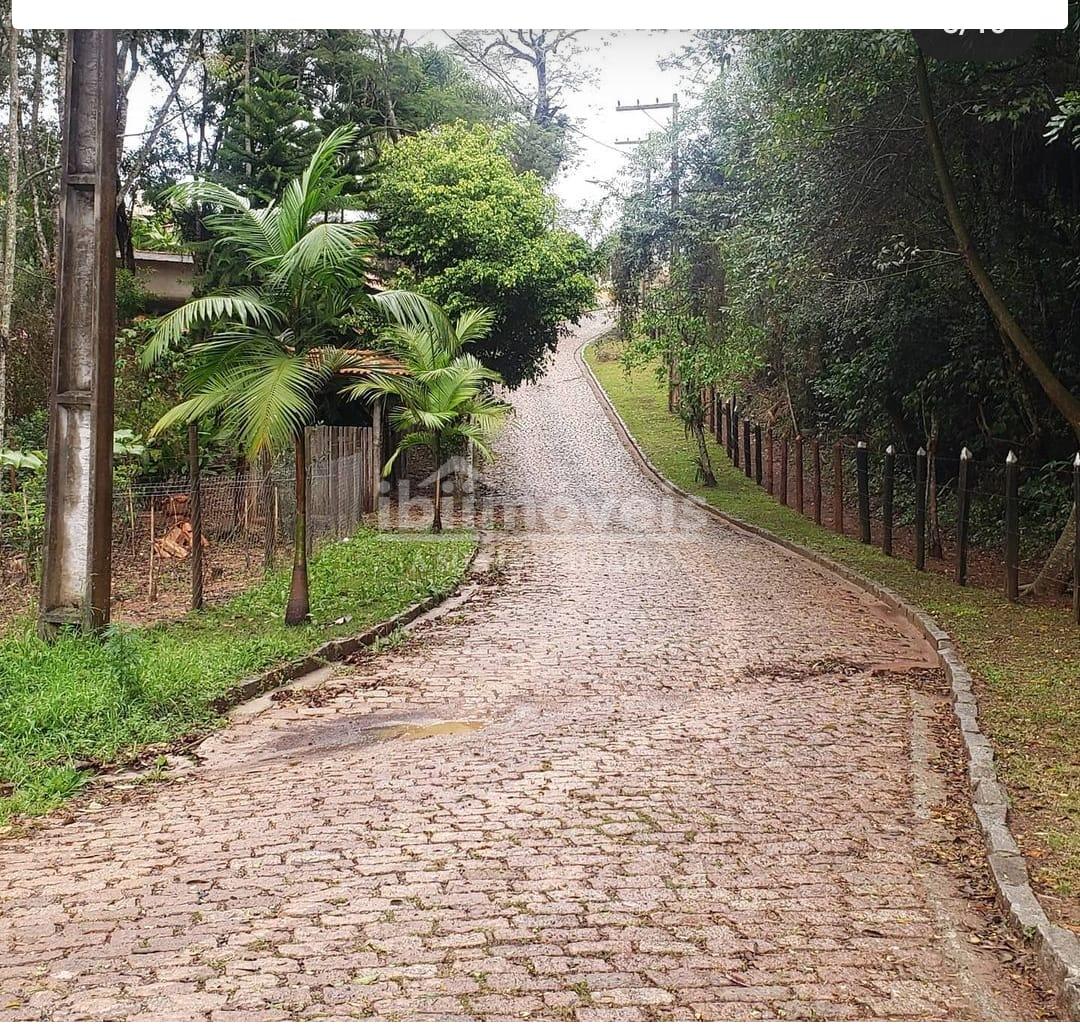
{"type": "Point", "coordinates": [176, 542]}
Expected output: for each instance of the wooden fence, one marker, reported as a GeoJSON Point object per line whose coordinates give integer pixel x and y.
{"type": "Point", "coordinates": [791, 469]}
{"type": "Point", "coordinates": [341, 479]}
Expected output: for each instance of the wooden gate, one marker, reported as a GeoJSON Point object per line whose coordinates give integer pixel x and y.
{"type": "Point", "coordinates": [341, 479]}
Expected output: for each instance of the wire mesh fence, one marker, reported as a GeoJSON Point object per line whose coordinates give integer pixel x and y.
{"type": "Point", "coordinates": [247, 518]}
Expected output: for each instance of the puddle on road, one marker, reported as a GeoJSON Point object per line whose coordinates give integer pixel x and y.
{"type": "Point", "coordinates": [369, 730]}
{"type": "Point", "coordinates": [411, 730]}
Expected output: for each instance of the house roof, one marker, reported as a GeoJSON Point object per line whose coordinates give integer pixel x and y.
{"type": "Point", "coordinates": [362, 362]}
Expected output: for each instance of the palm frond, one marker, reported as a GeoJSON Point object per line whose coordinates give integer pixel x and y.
{"type": "Point", "coordinates": [474, 325]}
{"type": "Point", "coordinates": [326, 246]}
{"type": "Point", "coordinates": [244, 306]}
{"type": "Point", "coordinates": [411, 310]}
{"type": "Point", "coordinates": [317, 188]}
{"type": "Point", "coordinates": [277, 400]}
{"type": "Point", "coordinates": [236, 221]}
{"type": "Point", "coordinates": [408, 441]}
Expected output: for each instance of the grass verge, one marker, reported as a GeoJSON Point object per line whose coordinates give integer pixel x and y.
{"type": "Point", "coordinates": [1026, 659]}
{"type": "Point", "coordinates": [67, 707]}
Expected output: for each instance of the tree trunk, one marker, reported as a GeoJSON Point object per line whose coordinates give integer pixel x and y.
{"type": "Point", "coordinates": [299, 607]}
{"type": "Point", "coordinates": [1056, 572]}
{"type": "Point", "coordinates": [705, 472]}
{"type": "Point", "coordinates": [144, 152]}
{"type": "Point", "coordinates": [125, 243]}
{"type": "Point", "coordinates": [543, 101]}
{"type": "Point", "coordinates": [33, 147]}
{"type": "Point", "coordinates": [436, 523]}
{"type": "Point", "coordinates": [7, 285]}
{"type": "Point", "coordinates": [247, 107]}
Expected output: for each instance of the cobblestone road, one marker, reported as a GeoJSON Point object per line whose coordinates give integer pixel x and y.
{"type": "Point", "coordinates": [653, 767]}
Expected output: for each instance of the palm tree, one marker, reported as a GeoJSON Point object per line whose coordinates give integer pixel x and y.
{"type": "Point", "coordinates": [266, 351]}
{"type": "Point", "coordinates": [443, 398]}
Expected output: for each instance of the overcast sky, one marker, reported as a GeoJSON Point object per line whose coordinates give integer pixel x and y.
{"type": "Point", "coordinates": [627, 71]}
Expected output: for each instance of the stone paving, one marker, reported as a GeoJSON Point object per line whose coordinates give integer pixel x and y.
{"type": "Point", "coordinates": [651, 768]}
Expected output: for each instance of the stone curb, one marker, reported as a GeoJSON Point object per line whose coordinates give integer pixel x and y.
{"type": "Point", "coordinates": [1057, 950]}
{"type": "Point", "coordinates": [337, 649]}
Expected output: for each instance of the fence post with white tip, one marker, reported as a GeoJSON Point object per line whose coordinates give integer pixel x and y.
{"type": "Point", "coordinates": [1012, 528]}
{"type": "Point", "coordinates": [1076, 538]}
{"type": "Point", "coordinates": [963, 512]}
{"type": "Point", "coordinates": [887, 488]}
{"type": "Point", "coordinates": [862, 481]}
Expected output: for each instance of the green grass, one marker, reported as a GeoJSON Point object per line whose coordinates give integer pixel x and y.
{"type": "Point", "coordinates": [1026, 659]}
{"type": "Point", "coordinates": [84, 700]}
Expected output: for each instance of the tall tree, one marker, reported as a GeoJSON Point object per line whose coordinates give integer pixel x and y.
{"type": "Point", "coordinates": [462, 226]}
{"type": "Point", "coordinates": [264, 353]}
{"type": "Point", "coordinates": [11, 219]}
{"type": "Point", "coordinates": [1063, 400]}
{"type": "Point", "coordinates": [553, 61]}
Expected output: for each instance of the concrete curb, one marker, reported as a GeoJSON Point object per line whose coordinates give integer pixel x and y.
{"type": "Point", "coordinates": [1057, 950]}
{"type": "Point", "coordinates": [337, 649]}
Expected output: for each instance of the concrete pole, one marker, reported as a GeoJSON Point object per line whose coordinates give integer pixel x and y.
{"type": "Point", "coordinates": [77, 573]}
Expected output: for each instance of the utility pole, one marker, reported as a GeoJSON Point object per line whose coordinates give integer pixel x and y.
{"type": "Point", "coordinates": [76, 578]}
{"type": "Point", "coordinates": [648, 196]}
{"type": "Point", "coordinates": [672, 106]}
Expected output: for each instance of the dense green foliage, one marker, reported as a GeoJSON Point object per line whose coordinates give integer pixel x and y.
{"type": "Point", "coordinates": [68, 707]}
{"type": "Point", "coordinates": [810, 207]}
{"type": "Point", "coordinates": [264, 353]}
{"type": "Point", "coordinates": [467, 229]}
{"type": "Point", "coordinates": [242, 108]}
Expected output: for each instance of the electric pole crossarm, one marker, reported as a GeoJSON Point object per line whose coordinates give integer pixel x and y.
{"type": "Point", "coordinates": [672, 106]}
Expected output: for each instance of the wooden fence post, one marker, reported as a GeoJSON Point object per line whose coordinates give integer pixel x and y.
{"type": "Point", "coordinates": [838, 487]}
{"type": "Point", "coordinates": [783, 468]}
{"type": "Point", "coordinates": [1012, 528]}
{"type": "Point", "coordinates": [733, 432]}
{"type": "Point", "coordinates": [757, 454]}
{"type": "Point", "coordinates": [269, 513]}
{"type": "Point", "coordinates": [920, 508]}
{"type": "Point", "coordinates": [1076, 538]}
{"type": "Point", "coordinates": [195, 513]}
{"type": "Point", "coordinates": [746, 447]}
{"type": "Point", "coordinates": [815, 457]}
{"type": "Point", "coordinates": [799, 473]}
{"type": "Point", "coordinates": [963, 510]}
{"type": "Point", "coordinates": [769, 457]}
{"type": "Point", "coordinates": [862, 481]}
{"type": "Point", "coordinates": [888, 484]}
{"type": "Point", "coordinates": [381, 441]}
